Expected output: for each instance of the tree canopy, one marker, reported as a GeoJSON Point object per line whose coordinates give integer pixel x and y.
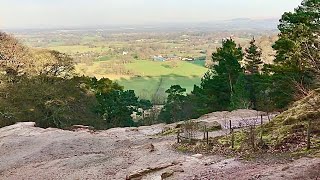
{"type": "Point", "coordinates": [298, 45]}
{"type": "Point", "coordinates": [253, 58]}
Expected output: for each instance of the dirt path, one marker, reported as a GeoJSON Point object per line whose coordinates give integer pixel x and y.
{"type": "Point", "coordinates": [27, 152]}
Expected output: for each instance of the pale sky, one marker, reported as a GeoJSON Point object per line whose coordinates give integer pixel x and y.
{"type": "Point", "coordinates": [67, 13]}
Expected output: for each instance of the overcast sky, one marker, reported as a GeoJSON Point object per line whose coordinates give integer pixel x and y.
{"type": "Point", "coordinates": [67, 13]}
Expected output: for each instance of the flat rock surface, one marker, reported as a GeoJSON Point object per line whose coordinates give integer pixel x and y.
{"type": "Point", "coordinates": [28, 152]}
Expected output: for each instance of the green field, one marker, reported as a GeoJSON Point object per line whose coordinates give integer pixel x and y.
{"type": "Point", "coordinates": [149, 87]}
{"type": "Point", "coordinates": [157, 77]}
{"type": "Point", "coordinates": [152, 68]}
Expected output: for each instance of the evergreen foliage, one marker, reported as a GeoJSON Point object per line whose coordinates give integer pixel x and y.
{"type": "Point", "coordinates": [253, 58]}
{"type": "Point", "coordinates": [114, 105]}
{"type": "Point", "coordinates": [49, 101]}
{"type": "Point", "coordinates": [298, 46]}
{"type": "Point", "coordinates": [173, 109]}
{"type": "Point", "coordinates": [241, 97]}
{"type": "Point", "coordinates": [226, 61]}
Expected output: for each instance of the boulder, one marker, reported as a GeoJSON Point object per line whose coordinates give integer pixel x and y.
{"type": "Point", "coordinates": [211, 126]}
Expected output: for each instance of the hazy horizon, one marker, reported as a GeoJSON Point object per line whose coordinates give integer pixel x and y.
{"type": "Point", "coordinates": [81, 13]}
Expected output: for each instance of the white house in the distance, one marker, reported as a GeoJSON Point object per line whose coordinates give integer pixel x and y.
{"type": "Point", "coordinates": [188, 59]}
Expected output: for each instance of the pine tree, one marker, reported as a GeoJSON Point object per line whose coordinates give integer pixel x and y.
{"type": "Point", "coordinates": [253, 58]}
{"type": "Point", "coordinates": [227, 60]}
{"type": "Point", "coordinates": [173, 109]}
{"type": "Point", "coordinates": [297, 49]}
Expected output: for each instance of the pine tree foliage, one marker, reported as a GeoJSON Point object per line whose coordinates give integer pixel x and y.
{"type": "Point", "coordinates": [253, 58]}
{"type": "Point", "coordinates": [298, 47]}
{"type": "Point", "coordinates": [226, 61]}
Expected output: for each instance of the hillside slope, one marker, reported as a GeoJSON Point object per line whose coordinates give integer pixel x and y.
{"type": "Point", "coordinates": [288, 130]}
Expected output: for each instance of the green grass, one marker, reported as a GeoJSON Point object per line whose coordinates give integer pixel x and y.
{"type": "Point", "coordinates": [287, 131]}
{"type": "Point", "coordinates": [199, 63]}
{"type": "Point", "coordinates": [156, 77]}
{"type": "Point", "coordinates": [180, 68]}
{"type": "Point", "coordinates": [147, 87]}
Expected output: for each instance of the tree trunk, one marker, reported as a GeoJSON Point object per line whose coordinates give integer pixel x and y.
{"type": "Point", "coordinates": [231, 88]}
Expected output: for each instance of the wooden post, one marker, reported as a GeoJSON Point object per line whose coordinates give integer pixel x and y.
{"type": "Point", "coordinates": [308, 135]}
{"type": "Point", "coordinates": [204, 132]}
{"type": "Point", "coordinates": [178, 136]}
{"type": "Point", "coordinates": [232, 139]}
{"type": "Point", "coordinates": [252, 137]}
{"type": "Point", "coordinates": [230, 126]}
{"type": "Point", "coordinates": [261, 128]}
{"type": "Point", "coordinates": [207, 137]}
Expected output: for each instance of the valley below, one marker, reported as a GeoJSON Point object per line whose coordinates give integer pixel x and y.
{"type": "Point", "coordinates": [140, 59]}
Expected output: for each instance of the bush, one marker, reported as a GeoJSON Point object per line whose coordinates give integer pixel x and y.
{"type": "Point", "coordinates": [50, 102]}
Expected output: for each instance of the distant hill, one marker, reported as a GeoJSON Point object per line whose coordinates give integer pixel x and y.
{"type": "Point", "coordinates": [253, 24]}
{"type": "Point", "coordinates": [238, 24]}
